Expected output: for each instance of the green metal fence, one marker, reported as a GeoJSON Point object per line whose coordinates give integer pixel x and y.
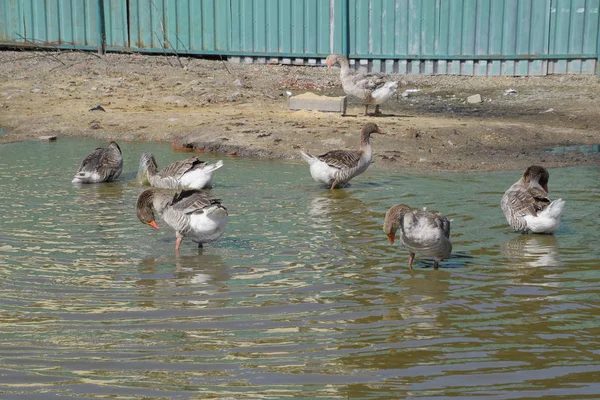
{"type": "Point", "coordinates": [467, 37]}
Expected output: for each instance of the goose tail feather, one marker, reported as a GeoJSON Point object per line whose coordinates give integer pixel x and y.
{"type": "Point", "coordinates": [307, 157]}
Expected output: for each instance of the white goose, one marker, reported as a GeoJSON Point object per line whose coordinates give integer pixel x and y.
{"type": "Point", "coordinates": [102, 165]}
{"type": "Point", "coordinates": [423, 232]}
{"type": "Point", "coordinates": [526, 205]}
{"type": "Point", "coordinates": [190, 173]}
{"type": "Point", "coordinates": [337, 167]}
{"type": "Point", "coordinates": [192, 213]}
{"type": "Point", "coordinates": [370, 88]}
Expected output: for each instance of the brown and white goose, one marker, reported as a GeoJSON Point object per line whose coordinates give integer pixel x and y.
{"type": "Point", "coordinates": [526, 205]}
{"type": "Point", "coordinates": [191, 213]}
{"type": "Point", "coordinates": [370, 88]}
{"type": "Point", "coordinates": [423, 232]}
{"type": "Point", "coordinates": [335, 168]}
{"type": "Point", "coordinates": [190, 173]}
{"type": "Point", "coordinates": [102, 165]}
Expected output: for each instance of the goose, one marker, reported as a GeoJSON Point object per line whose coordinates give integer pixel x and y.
{"type": "Point", "coordinates": [191, 213]}
{"type": "Point", "coordinates": [370, 88]}
{"type": "Point", "coordinates": [526, 205]}
{"type": "Point", "coordinates": [102, 165]}
{"type": "Point", "coordinates": [190, 173]}
{"type": "Point", "coordinates": [421, 231]}
{"type": "Point", "coordinates": [335, 168]}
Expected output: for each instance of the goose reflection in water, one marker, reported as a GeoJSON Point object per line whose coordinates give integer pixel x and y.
{"type": "Point", "coordinates": [208, 271]}
{"type": "Point", "coordinates": [100, 194]}
{"type": "Point", "coordinates": [533, 251]}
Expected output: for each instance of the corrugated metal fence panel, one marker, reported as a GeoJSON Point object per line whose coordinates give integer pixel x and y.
{"type": "Point", "coordinates": [299, 28]}
{"type": "Point", "coordinates": [574, 31]}
{"type": "Point", "coordinates": [52, 23]}
{"type": "Point", "coordinates": [476, 37]}
{"type": "Point", "coordinates": [116, 24]}
{"type": "Point", "coordinates": [444, 30]}
{"type": "Point", "coordinates": [286, 28]}
{"type": "Point", "coordinates": [467, 37]}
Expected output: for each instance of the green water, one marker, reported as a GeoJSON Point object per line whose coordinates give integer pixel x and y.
{"type": "Point", "coordinates": [303, 297]}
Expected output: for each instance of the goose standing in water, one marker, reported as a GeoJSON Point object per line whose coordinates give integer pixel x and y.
{"type": "Point", "coordinates": [370, 88]}
{"type": "Point", "coordinates": [526, 205]}
{"type": "Point", "coordinates": [423, 232]}
{"type": "Point", "coordinates": [337, 167]}
{"type": "Point", "coordinates": [190, 173]}
{"type": "Point", "coordinates": [102, 165]}
{"type": "Point", "coordinates": [191, 213]}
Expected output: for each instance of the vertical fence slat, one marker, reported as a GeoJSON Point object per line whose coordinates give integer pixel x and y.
{"type": "Point", "coordinates": [297, 18]}
{"type": "Point", "coordinates": [310, 26]}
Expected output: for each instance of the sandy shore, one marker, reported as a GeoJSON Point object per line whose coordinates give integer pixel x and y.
{"type": "Point", "coordinates": [242, 110]}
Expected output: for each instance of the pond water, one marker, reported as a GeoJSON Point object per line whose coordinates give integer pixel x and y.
{"type": "Point", "coordinates": [302, 297]}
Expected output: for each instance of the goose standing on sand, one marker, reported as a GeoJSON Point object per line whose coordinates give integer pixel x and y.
{"type": "Point", "coordinates": [526, 205]}
{"type": "Point", "coordinates": [102, 165]}
{"type": "Point", "coordinates": [337, 167]}
{"type": "Point", "coordinates": [190, 173]}
{"type": "Point", "coordinates": [423, 232]}
{"type": "Point", "coordinates": [192, 213]}
{"type": "Point", "coordinates": [370, 88]}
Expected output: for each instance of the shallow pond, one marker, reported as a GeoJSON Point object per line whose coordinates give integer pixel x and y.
{"type": "Point", "coordinates": [303, 296]}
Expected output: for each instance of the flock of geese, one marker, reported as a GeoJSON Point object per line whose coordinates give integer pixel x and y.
{"type": "Point", "coordinates": [176, 192]}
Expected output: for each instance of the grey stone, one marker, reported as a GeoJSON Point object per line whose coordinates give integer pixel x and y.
{"type": "Point", "coordinates": [476, 98]}
{"type": "Point", "coordinates": [310, 101]}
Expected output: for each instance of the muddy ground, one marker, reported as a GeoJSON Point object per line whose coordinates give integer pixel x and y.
{"type": "Point", "coordinates": [241, 110]}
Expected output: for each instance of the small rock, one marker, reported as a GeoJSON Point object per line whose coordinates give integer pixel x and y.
{"type": "Point", "coordinates": [172, 119]}
{"type": "Point", "coordinates": [474, 99]}
{"type": "Point", "coordinates": [509, 91]}
{"type": "Point", "coordinates": [422, 159]}
{"type": "Point", "coordinates": [547, 111]}
{"type": "Point", "coordinates": [173, 100]}
{"type": "Point", "coordinates": [234, 96]}
{"type": "Point", "coordinates": [49, 138]}
{"type": "Point", "coordinates": [36, 90]}
{"type": "Point", "coordinates": [450, 143]}
{"type": "Point", "coordinates": [97, 107]}
{"type": "Point", "coordinates": [95, 125]}
{"type": "Point", "coordinates": [238, 83]}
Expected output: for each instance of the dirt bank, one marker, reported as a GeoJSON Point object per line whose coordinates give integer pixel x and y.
{"type": "Point", "coordinates": [242, 110]}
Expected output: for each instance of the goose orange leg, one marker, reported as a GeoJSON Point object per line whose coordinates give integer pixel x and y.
{"type": "Point", "coordinates": [410, 260]}
{"type": "Point", "coordinates": [178, 243]}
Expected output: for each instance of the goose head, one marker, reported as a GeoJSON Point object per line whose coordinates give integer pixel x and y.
{"type": "Point", "coordinates": [338, 59]}
{"type": "Point", "coordinates": [393, 219]}
{"type": "Point", "coordinates": [536, 174]}
{"type": "Point", "coordinates": [145, 212]}
{"type": "Point", "coordinates": [367, 130]}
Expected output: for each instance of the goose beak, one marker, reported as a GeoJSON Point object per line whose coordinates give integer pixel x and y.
{"type": "Point", "coordinates": [391, 237]}
{"type": "Point", "coordinates": [381, 133]}
{"type": "Point", "coordinates": [153, 224]}
{"type": "Point", "coordinates": [545, 188]}
{"type": "Point", "coordinates": [329, 63]}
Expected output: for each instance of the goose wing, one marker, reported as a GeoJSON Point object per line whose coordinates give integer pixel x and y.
{"type": "Point", "coordinates": [442, 223]}
{"type": "Point", "coordinates": [178, 168]}
{"type": "Point", "coordinates": [519, 202]}
{"type": "Point", "coordinates": [192, 201]}
{"type": "Point", "coordinates": [93, 161]}
{"type": "Point", "coordinates": [540, 198]}
{"type": "Point", "coordinates": [369, 81]}
{"type": "Point", "coordinates": [341, 158]}
{"type": "Point", "coordinates": [106, 162]}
